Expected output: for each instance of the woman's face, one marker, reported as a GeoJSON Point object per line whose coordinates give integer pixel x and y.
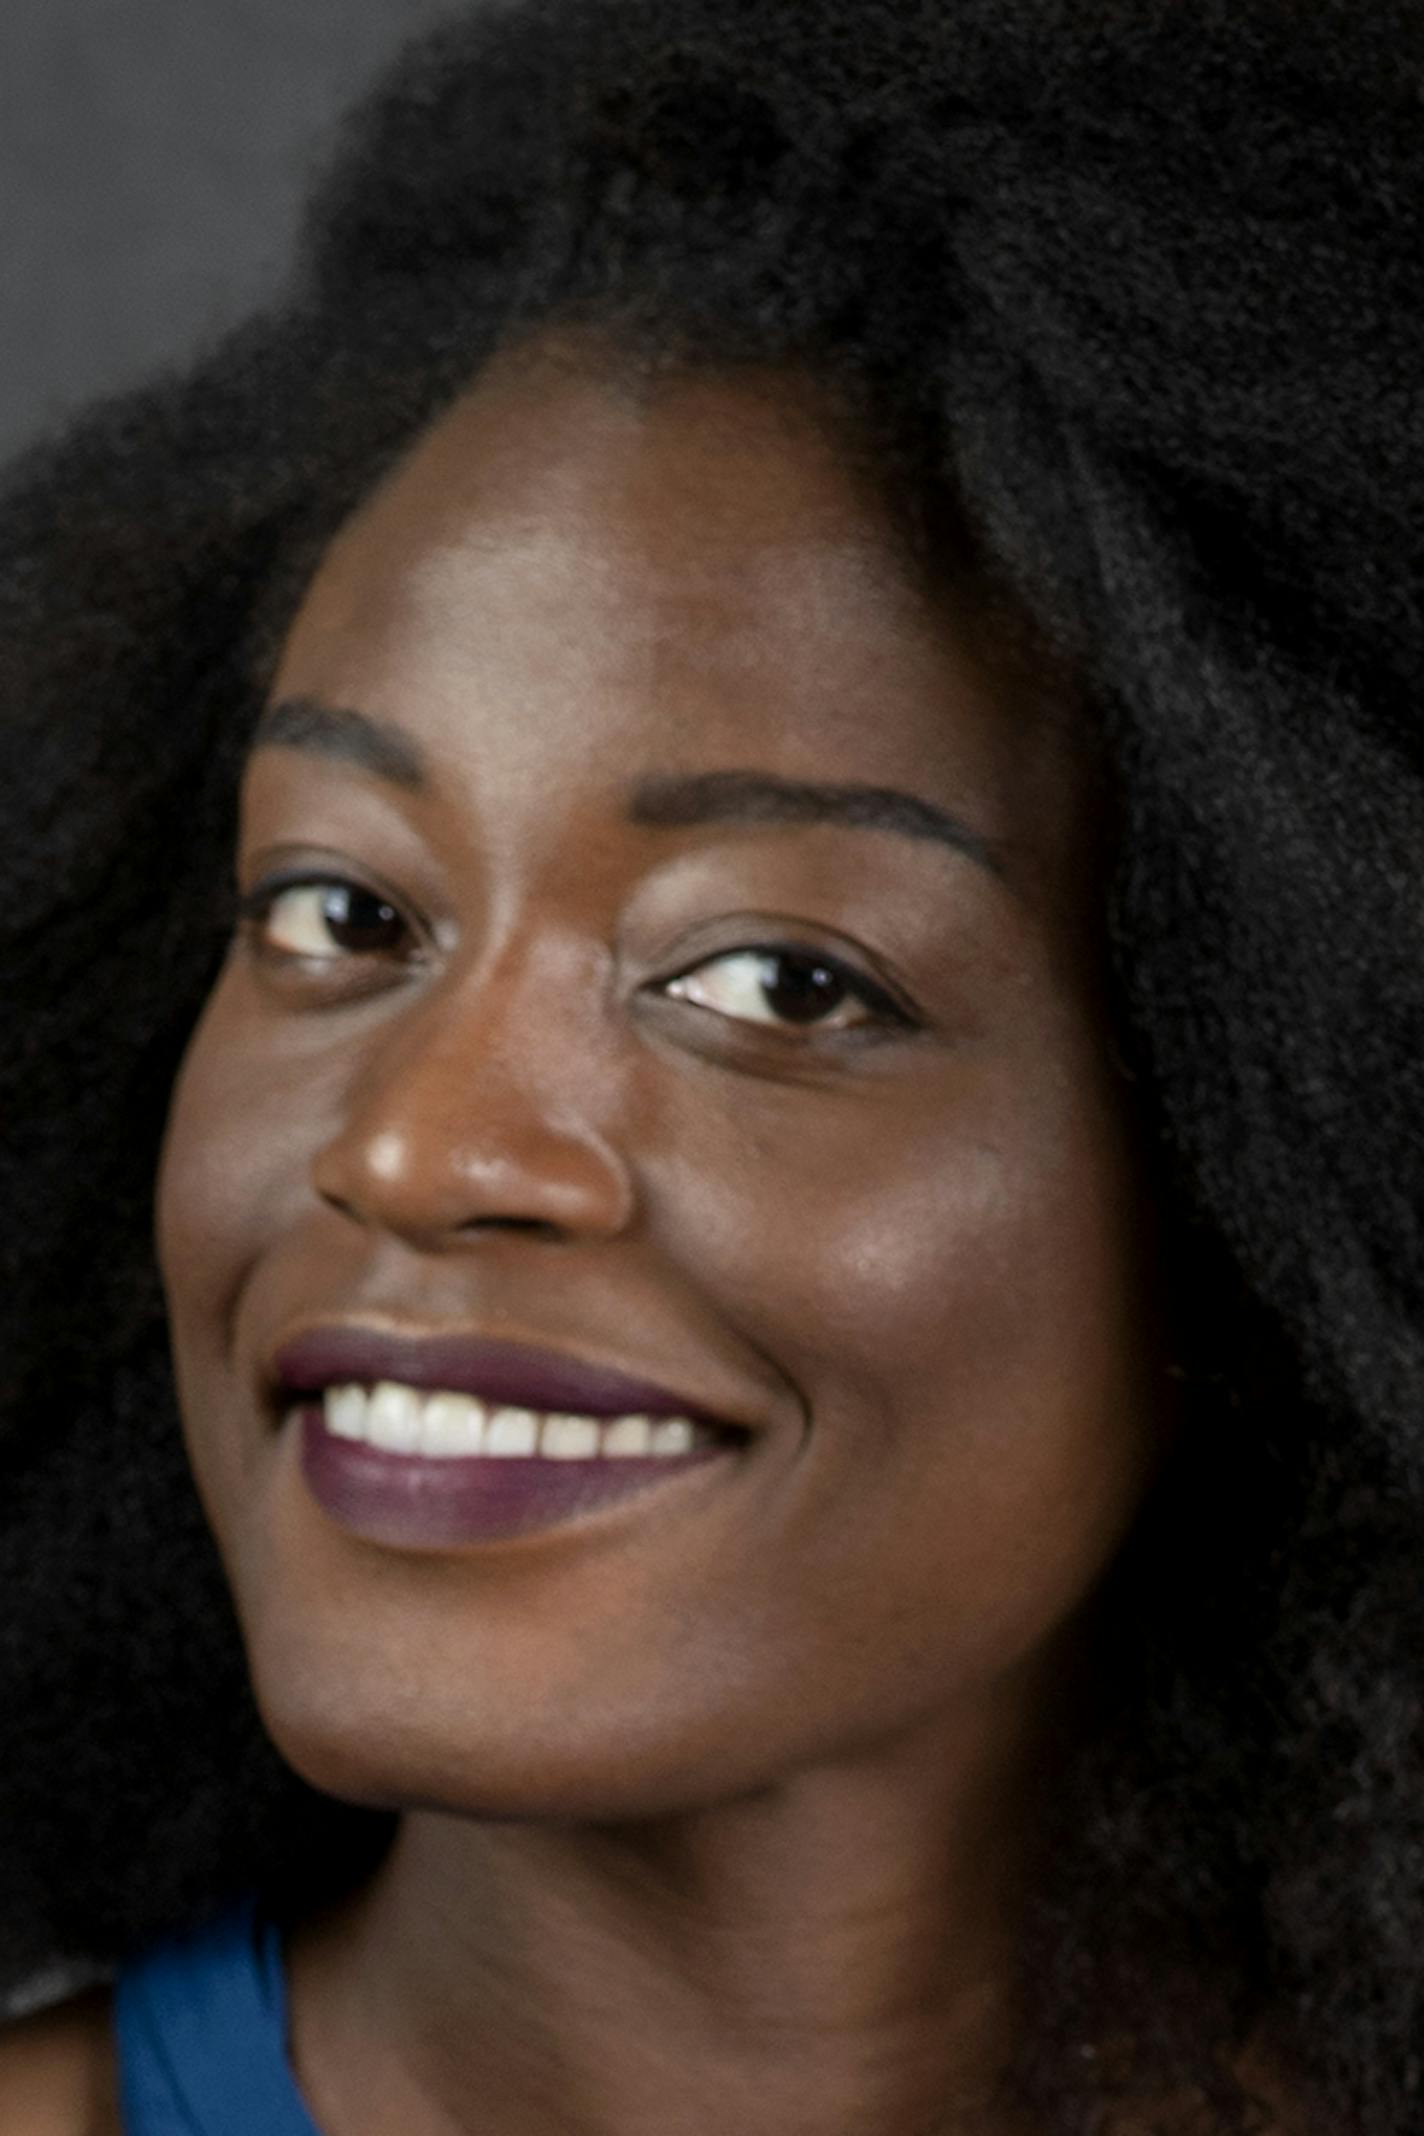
{"type": "Point", "coordinates": [580, 1006]}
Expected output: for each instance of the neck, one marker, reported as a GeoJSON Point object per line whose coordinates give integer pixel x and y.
{"type": "Point", "coordinates": [831, 1955]}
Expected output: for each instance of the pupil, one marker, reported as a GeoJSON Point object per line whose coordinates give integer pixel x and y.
{"type": "Point", "coordinates": [805, 991]}
{"type": "Point", "coordinates": [358, 921]}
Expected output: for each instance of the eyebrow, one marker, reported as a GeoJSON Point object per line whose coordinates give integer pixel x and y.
{"type": "Point", "coordinates": [352, 737]}
{"type": "Point", "coordinates": [764, 797]}
{"type": "Point", "coordinates": [678, 801]}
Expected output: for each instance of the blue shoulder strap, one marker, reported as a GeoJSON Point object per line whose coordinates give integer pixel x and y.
{"type": "Point", "coordinates": [201, 2034]}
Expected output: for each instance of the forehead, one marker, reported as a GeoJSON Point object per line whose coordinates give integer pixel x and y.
{"type": "Point", "coordinates": [587, 558]}
{"type": "Point", "coordinates": [730, 475]}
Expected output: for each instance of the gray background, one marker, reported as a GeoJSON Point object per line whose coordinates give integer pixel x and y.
{"type": "Point", "coordinates": [153, 155]}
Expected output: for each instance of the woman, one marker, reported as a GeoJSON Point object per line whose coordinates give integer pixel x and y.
{"type": "Point", "coordinates": [789, 1220]}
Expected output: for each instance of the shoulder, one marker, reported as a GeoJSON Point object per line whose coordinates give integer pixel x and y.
{"type": "Point", "coordinates": [57, 2071]}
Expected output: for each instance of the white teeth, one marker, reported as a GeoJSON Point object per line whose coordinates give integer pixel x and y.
{"type": "Point", "coordinates": [443, 1426]}
{"type": "Point", "coordinates": [512, 1432]}
{"type": "Point", "coordinates": [393, 1418]}
{"type": "Point", "coordinates": [346, 1412]}
{"type": "Point", "coordinates": [569, 1438]}
{"type": "Point", "coordinates": [627, 1438]}
{"type": "Point", "coordinates": [452, 1424]}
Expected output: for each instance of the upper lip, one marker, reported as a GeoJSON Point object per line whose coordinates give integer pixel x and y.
{"type": "Point", "coordinates": [515, 1374]}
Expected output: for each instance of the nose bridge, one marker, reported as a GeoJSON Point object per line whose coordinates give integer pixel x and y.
{"type": "Point", "coordinates": [491, 1098]}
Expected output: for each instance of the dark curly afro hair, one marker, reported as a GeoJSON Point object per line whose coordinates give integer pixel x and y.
{"type": "Point", "coordinates": [1135, 293]}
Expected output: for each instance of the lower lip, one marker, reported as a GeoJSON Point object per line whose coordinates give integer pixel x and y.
{"type": "Point", "coordinates": [410, 1503]}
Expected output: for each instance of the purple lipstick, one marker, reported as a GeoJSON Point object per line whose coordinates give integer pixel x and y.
{"type": "Point", "coordinates": [438, 1441]}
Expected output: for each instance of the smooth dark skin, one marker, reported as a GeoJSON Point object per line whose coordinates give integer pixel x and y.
{"type": "Point", "coordinates": [720, 1806]}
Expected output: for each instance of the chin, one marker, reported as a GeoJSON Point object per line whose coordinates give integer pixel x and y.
{"type": "Point", "coordinates": [379, 1745]}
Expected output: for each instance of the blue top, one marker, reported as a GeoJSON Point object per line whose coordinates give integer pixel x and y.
{"type": "Point", "coordinates": [200, 2027]}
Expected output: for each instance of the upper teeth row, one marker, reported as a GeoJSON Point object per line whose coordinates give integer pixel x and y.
{"type": "Point", "coordinates": [408, 1420]}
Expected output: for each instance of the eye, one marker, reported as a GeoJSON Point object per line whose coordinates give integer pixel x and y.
{"type": "Point", "coordinates": [779, 984]}
{"type": "Point", "coordinates": [323, 920]}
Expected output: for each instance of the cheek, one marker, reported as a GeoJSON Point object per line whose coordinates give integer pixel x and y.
{"type": "Point", "coordinates": [959, 1291]}
{"type": "Point", "coordinates": [235, 1171]}
{"type": "Point", "coordinates": [208, 1202]}
{"type": "Point", "coordinates": [978, 1229]}
{"type": "Point", "coordinates": [233, 1178]}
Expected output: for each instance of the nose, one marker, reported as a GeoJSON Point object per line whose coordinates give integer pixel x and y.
{"type": "Point", "coordinates": [469, 1110]}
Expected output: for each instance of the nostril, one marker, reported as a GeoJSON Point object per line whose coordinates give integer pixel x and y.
{"type": "Point", "coordinates": [535, 1226]}
{"type": "Point", "coordinates": [336, 1202]}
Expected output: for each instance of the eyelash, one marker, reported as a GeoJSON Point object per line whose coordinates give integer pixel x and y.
{"type": "Point", "coordinates": [255, 909]}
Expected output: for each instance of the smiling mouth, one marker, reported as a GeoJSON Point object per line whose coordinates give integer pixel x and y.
{"type": "Point", "coordinates": [416, 1468]}
{"type": "Point", "coordinates": [442, 1425]}
{"type": "Point", "coordinates": [447, 1438]}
